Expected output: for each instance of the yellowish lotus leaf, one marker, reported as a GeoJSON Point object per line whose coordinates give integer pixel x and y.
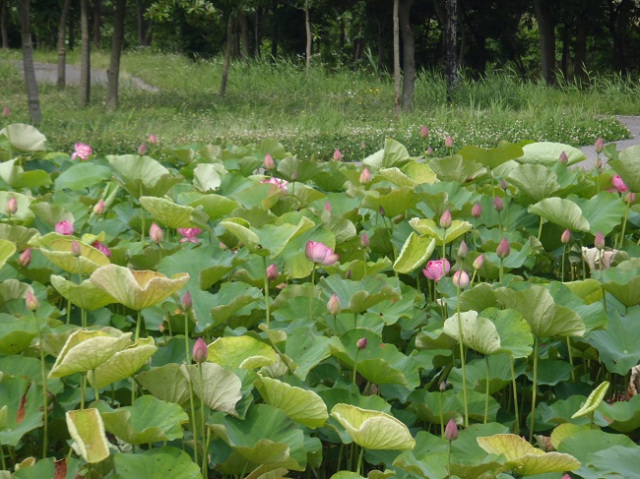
{"type": "Point", "coordinates": [85, 295]}
{"type": "Point", "coordinates": [593, 401]}
{"type": "Point", "coordinates": [7, 248]}
{"type": "Point", "coordinates": [428, 227]}
{"type": "Point", "coordinates": [137, 289]}
{"type": "Point", "coordinates": [241, 352]}
{"type": "Point", "coordinates": [123, 364]}
{"type": "Point", "coordinates": [477, 332]}
{"type": "Point", "coordinates": [509, 445]}
{"type": "Point", "coordinates": [167, 212]}
{"type": "Point", "coordinates": [57, 249]}
{"type": "Point", "coordinates": [219, 389]}
{"type": "Point", "coordinates": [87, 431]}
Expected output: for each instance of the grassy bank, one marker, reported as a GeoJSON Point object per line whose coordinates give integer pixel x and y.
{"type": "Point", "coordinates": [317, 113]}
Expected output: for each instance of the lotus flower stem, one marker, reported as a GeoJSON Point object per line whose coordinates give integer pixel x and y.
{"type": "Point", "coordinates": [203, 422]}
{"type": "Point", "coordinates": [464, 373]}
{"type": "Point", "coordinates": [564, 250]}
{"type": "Point", "coordinates": [83, 387]}
{"type": "Point", "coordinates": [441, 416]}
{"type": "Point", "coordinates": [515, 394]}
{"type": "Point", "coordinates": [501, 269]}
{"type": "Point", "coordinates": [138, 322]}
{"type": "Point", "coordinates": [540, 228]}
{"type": "Point", "coordinates": [573, 378]}
{"type": "Point", "coordinates": [4, 463]}
{"type": "Point", "coordinates": [194, 428]}
{"type": "Point", "coordinates": [360, 456]}
{"type": "Point", "coordinates": [535, 386]}
{"type": "Point", "coordinates": [355, 369]}
{"type": "Point", "coordinates": [486, 391]}
{"type": "Point", "coordinates": [584, 264]}
{"type": "Point", "coordinates": [266, 292]}
{"type": "Point", "coordinates": [45, 408]}
{"type": "Point", "coordinates": [83, 315]}
{"type": "Point", "coordinates": [68, 312]}
{"type": "Point", "coordinates": [313, 282]}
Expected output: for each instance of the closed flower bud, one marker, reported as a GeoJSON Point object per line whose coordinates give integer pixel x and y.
{"type": "Point", "coordinates": [445, 219]}
{"type": "Point", "coordinates": [381, 211]}
{"type": "Point", "coordinates": [25, 258]}
{"type": "Point", "coordinates": [448, 142]}
{"type": "Point", "coordinates": [200, 351]}
{"type": "Point", "coordinates": [476, 211]}
{"type": "Point", "coordinates": [443, 386]}
{"type": "Point", "coordinates": [362, 343]}
{"type": "Point", "coordinates": [563, 158]}
{"type": "Point", "coordinates": [503, 184]}
{"type": "Point", "coordinates": [31, 301]}
{"type": "Point", "coordinates": [619, 184]}
{"type": "Point", "coordinates": [268, 162]}
{"type": "Point", "coordinates": [364, 240]}
{"type": "Point", "coordinates": [98, 208]}
{"type": "Point", "coordinates": [186, 302]}
{"type": "Point", "coordinates": [630, 198]}
{"type": "Point", "coordinates": [598, 242]}
{"type": "Point", "coordinates": [498, 204]}
{"type": "Point", "coordinates": [333, 305]}
{"type": "Point", "coordinates": [12, 206]}
{"type": "Point", "coordinates": [64, 228]}
{"type": "Point", "coordinates": [365, 176]}
{"type": "Point", "coordinates": [337, 155]}
{"type": "Point", "coordinates": [460, 279]}
{"type": "Point", "coordinates": [451, 430]}
{"type": "Point", "coordinates": [503, 249]}
{"type": "Point", "coordinates": [328, 207]}
{"type": "Point", "coordinates": [142, 149]}
{"type": "Point", "coordinates": [76, 250]}
{"type": "Point", "coordinates": [478, 262]}
{"type": "Point", "coordinates": [272, 272]}
{"type": "Point", "coordinates": [424, 131]}
{"type": "Point", "coordinates": [463, 250]}
{"type": "Point", "coordinates": [153, 139]}
{"type": "Point", "coordinates": [599, 145]}
{"type": "Point", "coordinates": [566, 236]}
{"type": "Point", "coordinates": [155, 233]}
{"type": "Point", "coordinates": [429, 151]}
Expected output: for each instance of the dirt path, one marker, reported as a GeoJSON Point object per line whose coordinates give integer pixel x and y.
{"type": "Point", "coordinates": [633, 125]}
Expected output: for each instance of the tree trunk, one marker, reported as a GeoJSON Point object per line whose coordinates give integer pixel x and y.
{"type": "Point", "coordinates": [244, 34]}
{"type": "Point", "coordinates": [97, 20]}
{"type": "Point", "coordinates": [546, 25]}
{"type": "Point", "coordinates": [566, 50]}
{"type": "Point", "coordinates": [4, 13]}
{"type": "Point", "coordinates": [113, 74]}
{"type": "Point", "coordinates": [408, 54]}
{"type": "Point", "coordinates": [580, 58]}
{"type": "Point", "coordinates": [274, 31]}
{"type": "Point", "coordinates": [27, 60]}
{"type": "Point", "coordinates": [62, 47]}
{"type": "Point", "coordinates": [257, 34]}
{"type": "Point", "coordinates": [451, 47]}
{"type": "Point", "coordinates": [396, 58]}
{"type": "Point", "coordinates": [227, 54]}
{"type": "Point", "coordinates": [307, 26]}
{"type": "Point", "coordinates": [143, 24]}
{"type": "Point", "coordinates": [85, 56]}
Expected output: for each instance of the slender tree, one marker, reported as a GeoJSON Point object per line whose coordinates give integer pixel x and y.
{"type": "Point", "coordinates": [451, 49]}
{"type": "Point", "coordinates": [85, 56]}
{"type": "Point", "coordinates": [396, 57]}
{"type": "Point", "coordinates": [62, 47]}
{"type": "Point", "coordinates": [547, 28]}
{"type": "Point", "coordinates": [408, 54]}
{"type": "Point", "coordinates": [33, 97]}
{"type": "Point", "coordinates": [113, 74]}
{"type": "Point", "coordinates": [307, 27]}
{"type": "Point", "coordinates": [4, 14]}
{"type": "Point", "coordinates": [231, 21]}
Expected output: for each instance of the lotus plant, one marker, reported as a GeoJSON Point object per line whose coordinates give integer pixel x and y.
{"type": "Point", "coordinates": [319, 254]}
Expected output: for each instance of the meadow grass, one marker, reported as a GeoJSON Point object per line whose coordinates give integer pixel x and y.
{"type": "Point", "coordinates": [317, 113]}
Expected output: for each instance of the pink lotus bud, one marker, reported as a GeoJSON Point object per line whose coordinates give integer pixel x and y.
{"type": "Point", "coordinates": [460, 279]}
{"type": "Point", "coordinates": [337, 156]}
{"type": "Point", "coordinates": [349, 274]}
{"type": "Point", "coordinates": [619, 185]}
{"type": "Point", "coordinates": [365, 176]}
{"type": "Point", "coordinates": [599, 145]}
{"type": "Point", "coordinates": [272, 272]}
{"type": "Point", "coordinates": [25, 258]}
{"type": "Point", "coordinates": [463, 250]}
{"type": "Point", "coordinates": [566, 476]}
{"type": "Point", "coordinates": [200, 351]}
{"type": "Point", "coordinates": [153, 139]}
{"type": "Point", "coordinates": [186, 302]}
{"type": "Point", "coordinates": [142, 149]}
{"type": "Point", "coordinates": [6, 111]}
{"type": "Point", "coordinates": [442, 386]}
{"type": "Point", "coordinates": [424, 131]}
{"type": "Point", "coordinates": [102, 248]}
{"type": "Point", "coordinates": [31, 301]}
{"type": "Point", "coordinates": [429, 151]}
{"type": "Point", "coordinates": [268, 162]}
{"type": "Point", "coordinates": [566, 236]}
{"type": "Point", "coordinates": [598, 242]}
{"type": "Point", "coordinates": [599, 163]}
{"type": "Point", "coordinates": [328, 207]}
{"type": "Point", "coordinates": [478, 262]}
{"type": "Point", "coordinates": [189, 235]}
{"type": "Point", "coordinates": [333, 305]}
{"type": "Point", "coordinates": [64, 228]}
{"type": "Point", "coordinates": [82, 151]}
{"type": "Point", "coordinates": [503, 184]}
{"type": "Point", "coordinates": [448, 142]}
{"type": "Point", "coordinates": [320, 253]}
{"type": "Point", "coordinates": [563, 158]}
{"type": "Point", "coordinates": [436, 269]}
{"type": "Point", "coordinates": [381, 211]}
{"type": "Point", "coordinates": [364, 240]}
{"type": "Point", "coordinates": [76, 250]}
{"type": "Point", "coordinates": [451, 430]}
{"type": "Point", "coordinates": [476, 211]}
{"type": "Point", "coordinates": [445, 219]}
{"type": "Point", "coordinates": [630, 198]}
{"type": "Point", "coordinates": [498, 204]}
{"type": "Point", "coordinates": [98, 208]}
{"type": "Point", "coordinates": [504, 249]}
{"type": "Point", "coordinates": [155, 233]}
{"type": "Point", "coordinates": [12, 206]}
{"type": "Point", "coordinates": [361, 343]}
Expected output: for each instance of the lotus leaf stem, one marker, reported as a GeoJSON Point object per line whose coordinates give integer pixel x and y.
{"type": "Point", "coordinates": [360, 456]}
{"type": "Point", "coordinates": [535, 386]}
{"type": "Point", "coordinates": [83, 387]}
{"type": "Point", "coordinates": [266, 292]}
{"type": "Point", "coordinates": [564, 250]}
{"type": "Point", "coordinates": [515, 394]}
{"type": "Point", "coordinates": [486, 391]}
{"type": "Point", "coordinates": [45, 407]}
{"type": "Point", "coordinates": [194, 428]}
{"type": "Point", "coordinates": [203, 406]}
{"type": "Point", "coordinates": [441, 416]}
{"type": "Point", "coordinates": [464, 373]}
{"type": "Point", "coordinates": [573, 378]}
{"type": "Point", "coordinates": [313, 283]}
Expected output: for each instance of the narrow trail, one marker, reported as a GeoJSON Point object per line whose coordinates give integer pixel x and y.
{"type": "Point", "coordinates": [633, 125]}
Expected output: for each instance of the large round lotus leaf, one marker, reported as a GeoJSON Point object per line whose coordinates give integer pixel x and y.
{"type": "Point", "coordinates": [622, 416]}
{"type": "Point", "coordinates": [492, 157]}
{"type": "Point", "coordinates": [358, 296]}
{"type": "Point", "coordinates": [456, 168]}
{"type": "Point", "coordinates": [241, 352]}
{"type": "Point", "coordinates": [393, 152]}
{"type": "Point", "coordinates": [419, 173]}
{"type": "Point", "coordinates": [534, 180]}
{"type": "Point", "coordinates": [157, 463]}
{"type": "Point", "coordinates": [549, 415]}
{"type": "Point", "coordinates": [7, 248]}
{"type": "Point", "coordinates": [373, 429]}
{"type": "Point", "coordinates": [168, 213]}
{"type": "Point", "coordinates": [604, 212]}
{"type": "Point", "coordinates": [87, 431]}
{"type": "Point", "coordinates": [619, 344]}
{"type": "Point", "coordinates": [149, 420]}
{"type": "Point", "coordinates": [301, 405]}
{"type": "Point", "coordinates": [303, 170]}
{"type": "Point", "coordinates": [525, 459]}
{"type": "Point", "coordinates": [23, 213]}
{"type": "Point", "coordinates": [393, 175]}
{"type": "Point", "coordinates": [208, 176]}
{"type": "Point", "coordinates": [628, 167]}
{"type": "Point", "coordinates": [231, 298]}
{"type": "Point", "coordinates": [394, 203]}
{"type": "Point", "coordinates": [215, 386]}
{"type": "Point", "coordinates": [431, 407]}
{"type": "Point", "coordinates": [593, 401]}
{"type": "Point", "coordinates": [85, 350]}
{"type": "Point", "coordinates": [548, 153]}
{"type": "Point", "coordinates": [623, 282]}
{"type": "Point", "coordinates": [82, 175]}
{"type": "Point", "coordinates": [589, 290]}
{"type": "Point", "coordinates": [17, 234]}
{"type": "Point", "coordinates": [430, 228]}
{"type": "Point", "coordinates": [514, 331]}
{"type": "Point", "coordinates": [618, 461]}
{"type": "Point", "coordinates": [85, 295]}
{"type": "Point", "coordinates": [166, 382]}
{"type": "Point", "coordinates": [123, 364]}
{"type": "Point", "coordinates": [478, 298]}
{"type": "Point", "coordinates": [215, 206]}
{"type": "Point", "coordinates": [24, 137]}
{"type": "Point", "coordinates": [307, 350]}
{"type": "Point", "coordinates": [57, 248]}
{"type": "Point", "coordinates": [583, 442]}
{"type": "Point", "coordinates": [137, 289]}
{"type": "Point", "coordinates": [415, 252]}
{"type": "Point", "coordinates": [16, 334]}
{"type": "Point", "coordinates": [23, 402]}
{"type": "Point", "coordinates": [564, 213]}
{"type": "Point", "coordinates": [142, 175]}
{"type": "Point", "coordinates": [477, 332]}
{"type": "Point", "coordinates": [240, 229]}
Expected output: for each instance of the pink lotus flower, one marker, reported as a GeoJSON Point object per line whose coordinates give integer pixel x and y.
{"type": "Point", "coordinates": [361, 343]}
{"type": "Point", "coordinates": [630, 198]}
{"type": "Point", "coordinates": [460, 279]}
{"type": "Point", "coordinates": [476, 211]}
{"type": "Point", "coordinates": [424, 131]}
{"type": "Point", "coordinates": [25, 258]}
{"type": "Point", "coordinates": [619, 184]}
{"type": "Point", "coordinates": [64, 228]}
{"type": "Point", "coordinates": [498, 204]}
{"type": "Point", "coordinates": [448, 142]}
{"type": "Point", "coordinates": [12, 206]}
{"type": "Point", "coordinates": [478, 262]}
{"type": "Point", "coordinates": [189, 234]}
{"type": "Point", "coordinates": [268, 162]}
{"type": "Point", "coordinates": [186, 302]}
{"type": "Point", "coordinates": [320, 253]}
{"type": "Point", "coordinates": [365, 176]}
{"type": "Point", "coordinates": [429, 151]}
{"type": "Point", "coordinates": [333, 305]}
{"type": "Point", "coordinates": [200, 351]}
{"type": "Point", "coordinates": [98, 208]}
{"type": "Point", "coordinates": [31, 302]}
{"type": "Point", "coordinates": [598, 242]}
{"type": "Point", "coordinates": [142, 149]}
{"type": "Point", "coordinates": [445, 219]}
{"type": "Point", "coordinates": [327, 207]}
{"type": "Point", "coordinates": [364, 240]}
{"type": "Point", "coordinates": [6, 111]}
{"type": "Point", "coordinates": [153, 139]}
{"type": "Point", "coordinates": [451, 430]}
{"type": "Point", "coordinates": [565, 237]}
{"type": "Point", "coordinates": [76, 249]}
{"type": "Point", "coordinates": [463, 250]}
{"type": "Point", "coordinates": [599, 145]}
{"type": "Point", "coordinates": [337, 155]}
{"type": "Point", "coordinates": [102, 248]}
{"type": "Point", "coordinates": [281, 184]}
{"type": "Point", "coordinates": [82, 151]}
{"type": "Point", "coordinates": [155, 233]}
{"type": "Point", "coordinates": [436, 269]}
{"type": "Point", "coordinates": [272, 272]}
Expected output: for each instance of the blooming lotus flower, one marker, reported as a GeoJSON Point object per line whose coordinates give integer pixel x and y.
{"type": "Point", "coordinates": [448, 142]}
{"type": "Point", "coordinates": [64, 227]}
{"type": "Point", "coordinates": [31, 302]}
{"type": "Point", "coordinates": [268, 162]}
{"type": "Point", "coordinates": [504, 249]}
{"type": "Point", "coordinates": [436, 269]}
{"type": "Point", "coordinates": [102, 248]}
{"type": "Point", "coordinates": [460, 279]}
{"type": "Point", "coordinates": [272, 272]}
{"type": "Point", "coordinates": [619, 184]}
{"type": "Point", "coordinates": [565, 237]}
{"type": "Point", "coordinates": [82, 151]}
{"type": "Point", "coordinates": [365, 176]}
{"type": "Point", "coordinates": [424, 131]}
{"type": "Point", "coordinates": [445, 219]}
{"type": "Point", "coordinates": [142, 149]}
{"type": "Point", "coordinates": [189, 234]}
{"type": "Point", "coordinates": [153, 139]}
{"type": "Point", "coordinates": [281, 184]}
{"type": "Point", "coordinates": [25, 258]}
{"type": "Point", "coordinates": [476, 211]}
{"type": "Point", "coordinates": [337, 155]}
{"type": "Point", "coordinates": [320, 253]}
{"type": "Point", "coordinates": [333, 305]}
{"type": "Point", "coordinates": [98, 208]}
{"type": "Point", "coordinates": [599, 145]}
{"type": "Point", "coordinates": [155, 233]}
{"type": "Point", "coordinates": [451, 430]}
{"type": "Point", "coordinates": [200, 351]}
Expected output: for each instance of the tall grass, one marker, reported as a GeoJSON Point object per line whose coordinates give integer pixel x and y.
{"type": "Point", "coordinates": [314, 114]}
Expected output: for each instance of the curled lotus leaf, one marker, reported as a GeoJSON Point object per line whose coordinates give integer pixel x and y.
{"type": "Point", "coordinates": [57, 249]}
{"type": "Point", "coordinates": [477, 332]}
{"type": "Point", "coordinates": [123, 364]}
{"type": "Point", "coordinates": [415, 252]}
{"type": "Point", "coordinates": [87, 431]}
{"type": "Point", "coordinates": [7, 248]}
{"type": "Point", "coordinates": [142, 175]}
{"type": "Point", "coordinates": [24, 137]}
{"type": "Point", "coordinates": [430, 228]}
{"type": "Point", "coordinates": [137, 289]}
{"type": "Point", "coordinates": [241, 352]}
{"type": "Point", "coordinates": [593, 401]}
{"type": "Point", "coordinates": [85, 295]}
{"type": "Point", "coordinates": [167, 212]}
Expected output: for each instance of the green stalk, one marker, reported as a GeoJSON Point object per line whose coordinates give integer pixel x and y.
{"type": "Point", "coordinates": [535, 386]}
{"type": "Point", "coordinates": [441, 416]}
{"type": "Point", "coordinates": [564, 250]}
{"type": "Point", "coordinates": [266, 292]}
{"type": "Point", "coordinates": [355, 369]}
{"type": "Point", "coordinates": [486, 391]}
{"type": "Point", "coordinates": [313, 282]}
{"type": "Point", "coordinates": [95, 386]}
{"type": "Point", "coordinates": [464, 373]}
{"type": "Point", "coordinates": [501, 269]}
{"type": "Point", "coordinates": [515, 394]}
{"type": "Point", "coordinates": [138, 322]}
{"type": "Point", "coordinates": [360, 456]}
{"type": "Point", "coordinates": [205, 467]}
{"type": "Point", "coordinates": [194, 428]}
{"type": "Point", "coordinates": [449, 461]}
{"type": "Point", "coordinates": [83, 387]}
{"type": "Point", "coordinates": [83, 315]}
{"type": "Point", "coordinates": [4, 463]}
{"type": "Point", "coordinates": [540, 228]}
{"type": "Point", "coordinates": [45, 408]}
{"type": "Point", "coordinates": [573, 378]}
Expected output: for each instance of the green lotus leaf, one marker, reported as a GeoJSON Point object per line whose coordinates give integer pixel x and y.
{"type": "Point", "coordinates": [307, 350]}
{"type": "Point", "coordinates": [123, 364]}
{"type": "Point", "coordinates": [358, 296]}
{"type": "Point", "coordinates": [12, 289]}
{"type": "Point", "coordinates": [564, 213]}
{"type": "Point", "coordinates": [304, 169]}
{"type": "Point", "coordinates": [359, 268]}
{"type": "Point", "coordinates": [240, 229]}
{"type": "Point", "coordinates": [276, 237]}
{"type": "Point", "coordinates": [371, 475]}
{"type": "Point", "coordinates": [588, 290]}
{"type": "Point", "coordinates": [148, 420]}
{"type": "Point", "coordinates": [7, 248]}
{"type": "Point", "coordinates": [205, 267]}
{"type": "Point", "coordinates": [525, 459]}
{"type": "Point", "coordinates": [267, 472]}
{"type": "Point", "coordinates": [627, 165]}
{"type": "Point", "coordinates": [415, 252]}
{"type": "Point", "coordinates": [617, 461]}
{"type": "Point", "coordinates": [265, 436]}
{"type": "Point", "coordinates": [534, 180]}
{"type": "Point", "coordinates": [456, 168]}
{"type": "Point", "coordinates": [85, 350]}
{"type": "Point", "coordinates": [373, 429]}
{"type": "Point", "coordinates": [419, 173]}
{"type": "Point", "coordinates": [168, 213]}
{"type": "Point", "coordinates": [3, 416]}
{"type": "Point", "coordinates": [514, 332]}
{"type": "Point", "coordinates": [215, 206]}
{"type": "Point", "coordinates": [241, 352]}
{"type": "Point", "coordinates": [142, 175]}
{"type": "Point", "coordinates": [301, 405]}
{"type": "Point", "coordinates": [85, 295]}
{"type": "Point", "coordinates": [19, 235]}
{"type": "Point", "coordinates": [477, 332]}
{"type": "Point", "coordinates": [57, 249]}
{"type": "Point", "coordinates": [23, 402]}
{"type": "Point", "coordinates": [24, 137]}
{"type": "Point", "coordinates": [221, 389]}
{"type": "Point", "coordinates": [622, 416]}
{"type": "Point", "coordinates": [394, 203]}
{"type": "Point", "coordinates": [157, 463]}
{"type": "Point", "coordinates": [604, 211]}
{"type": "Point", "coordinates": [87, 431]}
{"type": "Point", "coordinates": [549, 415]}
{"type": "Point", "coordinates": [498, 375]}
{"type": "Point", "coordinates": [593, 401]}
{"type": "Point", "coordinates": [392, 154]}
{"type": "Point", "coordinates": [137, 289]}
{"type": "Point", "coordinates": [167, 382]}
{"type": "Point", "coordinates": [430, 228]}
{"type": "Point", "coordinates": [623, 282]}
{"type": "Point", "coordinates": [82, 175]}
{"type": "Point", "coordinates": [428, 406]}
{"type": "Point", "coordinates": [23, 213]}
{"type": "Point", "coordinates": [432, 337]}
{"type": "Point", "coordinates": [208, 176]}
{"type": "Point", "coordinates": [231, 298]}
{"type": "Point", "coordinates": [16, 334]}
{"type": "Point", "coordinates": [393, 175]}
{"type": "Point", "coordinates": [14, 175]}
{"type": "Point", "coordinates": [478, 298]}
{"type": "Point", "coordinates": [547, 153]}
{"type": "Point", "coordinates": [491, 157]}
{"type": "Point", "coordinates": [619, 344]}
{"type": "Point", "coordinates": [427, 460]}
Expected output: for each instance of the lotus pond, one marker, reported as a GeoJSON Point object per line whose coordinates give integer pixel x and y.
{"type": "Point", "coordinates": [220, 311]}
